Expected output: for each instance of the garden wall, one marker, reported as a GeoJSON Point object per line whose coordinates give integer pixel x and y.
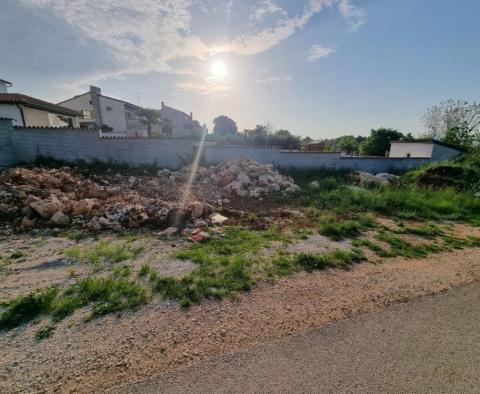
{"type": "Point", "coordinates": [23, 144]}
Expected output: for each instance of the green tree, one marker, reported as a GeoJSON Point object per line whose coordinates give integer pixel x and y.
{"type": "Point", "coordinates": [461, 135]}
{"type": "Point", "coordinates": [225, 126]}
{"type": "Point", "coordinates": [149, 117]}
{"type": "Point", "coordinates": [378, 143]}
{"type": "Point", "coordinates": [257, 136]}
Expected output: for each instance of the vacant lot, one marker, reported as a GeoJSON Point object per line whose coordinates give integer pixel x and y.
{"type": "Point", "coordinates": [87, 309]}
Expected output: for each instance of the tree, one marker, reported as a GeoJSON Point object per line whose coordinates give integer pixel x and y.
{"type": "Point", "coordinates": [223, 125]}
{"type": "Point", "coordinates": [462, 136]}
{"type": "Point", "coordinates": [149, 117]}
{"type": "Point", "coordinates": [346, 143]}
{"type": "Point", "coordinates": [284, 139]}
{"type": "Point", "coordinates": [257, 136]}
{"type": "Point", "coordinates": [378, 143]}
{"type": "Point", "coordinates": [451, 114]}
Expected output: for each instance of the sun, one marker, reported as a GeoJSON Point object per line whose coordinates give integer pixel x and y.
{"type": "Point", "coordinates": [218, 70]}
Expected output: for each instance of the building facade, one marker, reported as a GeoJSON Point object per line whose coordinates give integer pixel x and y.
{"type": "Point", "coordinates": [183, 125]}
{"type": "Point", "coordinates": [428, 148]}
{"type": "Point", "coordinates": [32, 112]}
{"type": "Point", "coordinates": [112, 115]}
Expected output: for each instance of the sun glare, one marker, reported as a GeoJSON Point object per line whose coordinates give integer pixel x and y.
{"type": "Point", "coordinates": [218, 70]}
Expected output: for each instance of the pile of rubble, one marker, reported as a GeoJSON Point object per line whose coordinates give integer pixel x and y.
{"type": "Point", "coordinates": [58, 197]}
{"type": "Point", "coordinates": [247, 178]}
{"type": "Point", "coordinates": [62, 197]}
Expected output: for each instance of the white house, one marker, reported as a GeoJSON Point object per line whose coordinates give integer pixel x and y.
{"type": "Point", "coordinates": [425, 148]}
{"type": "Point", "coordinates": [183, 125]}
{"type": "Point", "coordinates": [32, 112]}
{"type": "Point", "coordinates": [115, 117]}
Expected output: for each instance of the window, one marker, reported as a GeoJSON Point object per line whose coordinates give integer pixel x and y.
{"type": "Point", "coordinates": [109, 108]}
{"type": "Point", "coordinates": [409, 154]}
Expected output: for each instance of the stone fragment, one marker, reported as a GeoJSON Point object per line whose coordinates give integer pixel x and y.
{"type": "Point", "coordinates": [60, 219]}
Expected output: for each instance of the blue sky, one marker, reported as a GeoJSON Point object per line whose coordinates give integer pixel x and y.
{"type": "Point", "coordinates": [322, 68]}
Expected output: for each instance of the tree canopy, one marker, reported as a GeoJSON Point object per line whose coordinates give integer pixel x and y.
{"type": "Point", "coordinates": [225, 126]}
{"type": "Point", "coordinates": [378, 142]}
{"type": "Point", "coordinates": [456, 122]}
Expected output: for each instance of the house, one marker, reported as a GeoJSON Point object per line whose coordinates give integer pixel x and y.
{"type": "Point", "coordinates": [114, 116]}
{"type": "Point", "coordinates": [314, 146]}
{"type": "Point", "coordinates": [183, 125]}
{"type": "Point", "coordinates": [29, 111]}
{"type": "Point", "coordinates": [425, 148]}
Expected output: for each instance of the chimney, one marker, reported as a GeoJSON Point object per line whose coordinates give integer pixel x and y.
{"type": "Point", "coordinates": [4, 85]}
{"type": "Point", "coordinates": [163, 105]}
{"type": "Point", "coordinates": [191, 115]}
{"type": "Point", "coordinates": [95, 95]}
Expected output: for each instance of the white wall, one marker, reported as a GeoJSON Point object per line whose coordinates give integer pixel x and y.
{"type": "Point", "coordinates": [13, 112]}
{"type": "Point", "coordinates": [115, 117]}
{"type": "Point", "coordinates": [415, 149]}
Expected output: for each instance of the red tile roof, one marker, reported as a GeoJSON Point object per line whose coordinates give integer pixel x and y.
{"type": "Point", "coordinates": [27, 101]}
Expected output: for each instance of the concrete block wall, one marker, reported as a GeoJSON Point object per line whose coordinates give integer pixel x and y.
{"type": "Point", "coordinates": [213, 155]}
{"type": "Point", "coordinates": [79, 144]}
{"type": "Point", "coordinates": [23, 144]}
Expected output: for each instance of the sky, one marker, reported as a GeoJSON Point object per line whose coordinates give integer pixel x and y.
{"type": "Point", "coordinates": [321, 68]}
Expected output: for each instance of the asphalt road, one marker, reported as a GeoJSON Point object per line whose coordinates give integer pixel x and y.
{"type": "Point", "coordinates": [430, 345]}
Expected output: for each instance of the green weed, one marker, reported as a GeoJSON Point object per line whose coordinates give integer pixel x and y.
{"type": "Point", "coordinates": [45, 332]}
{"type": "Point", "coordinates": [104, 251]}
{"type": "Point", "coordinates": [337, 229]}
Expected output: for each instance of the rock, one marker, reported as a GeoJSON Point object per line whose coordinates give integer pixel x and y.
{"type": "Point", "coordinates": [199, 236]}
{"type": "Point", "coordinates": [477, 194]}
{"type": "Point", "coordinates": [83, 207]}
{"type": "Point", "coordinates": [178, 217]}
{"type": "Point", "coordinates": [30, 198]}
{"type": "Point", "coordinates": [197, 209]}
{"type": "Point", "coordinates": [216, 218]}
{"type": "Point", "coordinates": [168, 232]}
{"type": "Point", "coordinates": [235, 169]}
{"type": "Point", "coordinates": [386, 178]}
{"type": "Point", "coordinates": [27, 223]}
{"type": "Point", "coordinates": [314, 185]}
{"type": "Point", "coordinates": [131, 181]}
{"type": "Point", "coordinates": [163, 173]}
{"type": "Point", "coordinates": [60, 219]}
{"type": "Point", "coordinates": [273, 188]}
{"type": "Point", "coordinates": [46, 208]}
{"type": "Point", "coordinates": [225, 179]}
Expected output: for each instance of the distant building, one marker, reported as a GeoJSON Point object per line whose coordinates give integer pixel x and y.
{"type": "Point", "coordinates": [29, 111]}
{"type": "Point", "coordinates": [183, 125]}
{"type": "Point", "coordinates": [425, 148]}
{"type": "Point", "coordinates": [314, 146]}
{"type": "Point", "coordinates": [4, 85]}
{"type": "Point", "coordinates": [112, 115]}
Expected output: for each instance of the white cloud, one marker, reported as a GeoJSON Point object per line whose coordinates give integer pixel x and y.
{"type": "Point", "coordinates": [264, 9]}
{"type": "Point", "coordinates": [149, 35]}
{"type": "Point", "coordinates": [204, 87]}
{"type": "Point", "coordinates": [317, 52]}
{"type": "Point", "coordinates": [274, 79]}
{"type": "Point", "coordinates": [355, 16]}
{"type": "Point", "coordinates": [143, 35]}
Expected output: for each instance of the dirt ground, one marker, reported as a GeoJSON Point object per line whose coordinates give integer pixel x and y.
{"type": "Point", "coordinates": [109, 351]}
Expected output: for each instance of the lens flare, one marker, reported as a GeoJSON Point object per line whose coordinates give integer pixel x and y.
{"type": "Point", "coordinates": [218, 70]}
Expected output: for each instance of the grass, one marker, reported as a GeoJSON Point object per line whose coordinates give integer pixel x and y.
{"type": "Point", "coordinates": [338, 194]}
{"type": "Point", "coordinates": [104, 294]}
{"type": "Point", "coordinates": [336, 259]}
{"type": "Point", "coordinates": [45, 332]}
{"type": "Point", "coordinates": [104, 251]}
{"type": "Point", "coordinates": [226, 266]}
{"type": "Point", "coordinates": [337, 229]}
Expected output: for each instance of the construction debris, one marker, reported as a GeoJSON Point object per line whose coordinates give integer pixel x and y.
{"type": "Point", "coordinates": [62, 196]}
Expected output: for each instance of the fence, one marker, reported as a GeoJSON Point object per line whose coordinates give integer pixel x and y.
{"type": "Point", "coordinates": [23, 144]}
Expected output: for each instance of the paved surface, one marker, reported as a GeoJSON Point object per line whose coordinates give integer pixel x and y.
{"type": "Point", "coordinates": [431, 345]}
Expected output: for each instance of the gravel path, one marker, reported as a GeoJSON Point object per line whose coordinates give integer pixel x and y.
{"type": "Point", "coordinates": [430, 345]}
{"type": "Point", "coordinates": [96, 356]}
